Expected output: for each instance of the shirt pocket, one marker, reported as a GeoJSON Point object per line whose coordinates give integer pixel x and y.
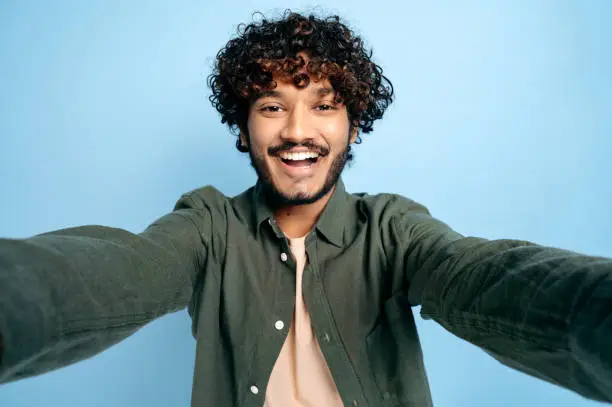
{"type": "Point", "coordinates": [395, 356]}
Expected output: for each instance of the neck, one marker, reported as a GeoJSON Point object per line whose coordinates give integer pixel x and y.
{"type": "Point", "coordinates": [297, 221]}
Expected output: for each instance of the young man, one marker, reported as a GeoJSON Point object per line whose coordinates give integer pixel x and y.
{"type": "Point", "coordinates": [301, 293]}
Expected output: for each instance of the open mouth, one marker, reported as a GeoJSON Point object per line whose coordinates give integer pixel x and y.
{"type": "Point", "coordinates": [301, 159]}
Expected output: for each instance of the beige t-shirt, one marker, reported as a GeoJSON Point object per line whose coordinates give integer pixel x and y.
{"type": "Point", "coordinates": [300, 376]}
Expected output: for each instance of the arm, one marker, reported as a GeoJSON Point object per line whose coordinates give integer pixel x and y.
{"type": "Point", "coordinates": [69, 294]}
{"type": "Point", "coordinates": [544, 311]}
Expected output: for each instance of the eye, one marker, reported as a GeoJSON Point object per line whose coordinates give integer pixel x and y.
{"type": "Point", "coordinates": [271, 109]}
{"type": "Point", "coordinates": [325, 107]}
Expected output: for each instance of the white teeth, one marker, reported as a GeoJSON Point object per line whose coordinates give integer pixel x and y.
{"type": "Point", "coordinates": [298, 156]}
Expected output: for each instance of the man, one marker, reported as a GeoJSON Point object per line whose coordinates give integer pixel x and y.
{"type": "Point", "coordinates": [300, 293]}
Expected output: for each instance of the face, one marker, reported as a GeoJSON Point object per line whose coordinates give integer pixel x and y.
{"type": "Point", "coordinates": [298, 141]}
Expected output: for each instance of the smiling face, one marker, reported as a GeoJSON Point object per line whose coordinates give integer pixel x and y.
{"type": "Point", "coordinates": [298, 140]}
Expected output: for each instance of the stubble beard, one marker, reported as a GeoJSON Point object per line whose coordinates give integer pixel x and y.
{"type": "Point", "coordinates": [277, 198]}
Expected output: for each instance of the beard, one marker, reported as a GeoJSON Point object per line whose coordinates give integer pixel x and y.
{"type": "Point", "coordinates": [276, 198]}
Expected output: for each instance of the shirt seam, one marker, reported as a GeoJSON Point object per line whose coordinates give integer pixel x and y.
{"type": "Point", "coordinates": [207, 242]}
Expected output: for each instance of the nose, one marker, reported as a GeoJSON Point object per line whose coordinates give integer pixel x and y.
{"type": "Point", "coordinates": [298, 125]}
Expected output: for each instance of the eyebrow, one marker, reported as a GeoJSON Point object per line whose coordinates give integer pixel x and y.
{"type": "Point", "coordinates": [325, 91]}
{"type": "Point", "coordinates": [268, 93]}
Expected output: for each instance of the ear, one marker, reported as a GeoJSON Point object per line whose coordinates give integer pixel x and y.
{"type": "Point", "coordinates": [242, 142]}
{"type": "Point", "coordinates": [354, 134]}
{"type": "Point", "coordinates": [243, 139]}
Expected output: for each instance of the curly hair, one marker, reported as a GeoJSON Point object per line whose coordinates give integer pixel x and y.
{"type": "Point", "coordinates": [248, 64]}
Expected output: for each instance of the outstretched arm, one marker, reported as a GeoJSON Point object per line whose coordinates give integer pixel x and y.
{"type": "Point", "coordinates": [69, 294]}
{"type": "Point", "coordinates": [541, 310]}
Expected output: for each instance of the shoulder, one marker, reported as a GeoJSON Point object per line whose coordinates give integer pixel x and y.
{"type": "Point", "coordinates": [395, 216]}
{"type": "Point", "coordinates": [206, 197]}
{"type": "Point", "coordinates": [387, 205]}
{"type": "Point", "coordinates": [211, 202]}
{"type": "Point", "coordinates": [207, 207]}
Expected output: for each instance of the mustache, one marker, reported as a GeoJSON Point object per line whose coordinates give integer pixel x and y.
{"type": "Point", "coordinates": [288, 145]}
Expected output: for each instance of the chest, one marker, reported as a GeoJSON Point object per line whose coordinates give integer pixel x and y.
{"type": "Point", "coordinates": [348, 284]}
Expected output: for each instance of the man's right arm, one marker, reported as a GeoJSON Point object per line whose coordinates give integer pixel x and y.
{"type": "Point", "coordinates": [70, 294]}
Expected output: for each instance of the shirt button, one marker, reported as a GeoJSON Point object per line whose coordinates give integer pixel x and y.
{"type": "Point", "coordinates": [254, 390]}
{"type": "Point", "coordinates": [279, 325]}
{"type": "Point", "coordinates": [283, 256]}
{"type": "Point", "coordinates": [325, 337]}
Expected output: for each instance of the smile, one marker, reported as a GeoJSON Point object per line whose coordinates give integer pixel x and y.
{"type": "Point", "coordinates": [299, 164]}
{"type": "Point", "coordinates": [299, 159]}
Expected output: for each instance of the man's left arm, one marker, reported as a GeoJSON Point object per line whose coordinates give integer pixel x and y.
{"type": "Point", "coordinates": [541, 310]}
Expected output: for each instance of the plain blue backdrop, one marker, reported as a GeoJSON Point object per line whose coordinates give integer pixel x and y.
{"type": "Point", "coordinates": [502, 128]}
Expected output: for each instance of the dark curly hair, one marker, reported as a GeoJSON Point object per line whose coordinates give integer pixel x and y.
{"type": "Point", "coordinates": [247, 64]}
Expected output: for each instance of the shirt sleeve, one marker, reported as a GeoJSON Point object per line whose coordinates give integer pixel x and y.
{"type": "Point", "coordinates": [541, 310]}
{"type": "Point", "coordinates": [70, 294]}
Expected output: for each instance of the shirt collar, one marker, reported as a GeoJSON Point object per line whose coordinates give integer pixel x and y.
{"type": "Point", "coordinates": [331, 223]}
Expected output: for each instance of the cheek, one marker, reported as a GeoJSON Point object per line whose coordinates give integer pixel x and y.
{"type": "Point", "coordinates": [336, 132]}
{"type": "Point", "coordinates": [255, 139]}
{"type": "Point", "coordinates": [331, 127]}
{"type": "Point", "coordinates": [261, 132]}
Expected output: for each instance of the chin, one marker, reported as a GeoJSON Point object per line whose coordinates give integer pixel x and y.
{"type": "Point", "coordinates": [298, 193]}
{"type": "Point", "coordinates": [295, 195]}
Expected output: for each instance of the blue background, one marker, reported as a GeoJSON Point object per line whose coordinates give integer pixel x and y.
{"type": "Point", "coordinates": [502, 127]}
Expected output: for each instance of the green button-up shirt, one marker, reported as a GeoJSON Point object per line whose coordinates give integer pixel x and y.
{"type": "Point", "coordinates": [69, 294]}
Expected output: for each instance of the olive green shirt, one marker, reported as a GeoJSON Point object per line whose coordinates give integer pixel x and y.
{"type": "Point", "coordinates": [69, 294]}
